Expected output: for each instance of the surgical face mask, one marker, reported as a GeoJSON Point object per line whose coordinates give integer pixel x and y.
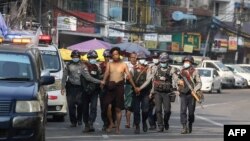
{"type": "Point", "coordinates": [142, 61]}
{"type": "Point", "coordinates": [146, 63]}
{"type": "Point", "coordinates": [186, 65]}
{"type": "Point", "coordinates": [92, 61]}
{"type": "Point", "coordinates": [75, 60]}
{"type": "Point", "coordinates": [155, 61]}
{"type": "Point", "coordinates": [164, 65]}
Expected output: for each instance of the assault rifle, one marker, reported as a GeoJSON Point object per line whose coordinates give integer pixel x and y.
{"type": "Point", "coordinates": [194, 94]}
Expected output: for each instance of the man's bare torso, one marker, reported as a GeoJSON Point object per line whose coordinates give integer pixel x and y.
{"type": "Point", "coordinates": [116, 71]}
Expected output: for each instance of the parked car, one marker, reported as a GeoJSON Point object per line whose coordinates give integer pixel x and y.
{"type": "Point", "coordinates": [23, 99]}
{"type": "Point", "coordinates": [52, 60]}
{"type": "Point", "coordinates": [240, 82]}
{"type": "Point", "coordinates": [240, 71]}
{"type": "Point", "coordinates": [227, 78]}
{"type": "Point", "coordinates": [211, 81]}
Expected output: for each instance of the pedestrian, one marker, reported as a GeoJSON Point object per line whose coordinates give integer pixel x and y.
{"type": "Point", "coordinates": [103, 65]}
{"type": "Point", "coordinates": [188, 102]}
{"type": "Point", "coordinates": [72, 82]}
{"type": "Point", "coordinates": [91, 91]}
{"type": "Point", "coordinates": [142, 79]}
{"type": "Point", "coordinates": [129, 90]}
{"type": "Point", "coordinates": [162, 89]}
{"type": "Point", "coordinates": [114, 73]}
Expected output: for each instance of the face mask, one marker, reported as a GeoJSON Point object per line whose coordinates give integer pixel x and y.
{"type": "Point", "coordinates": [155, 61]}
{"type": "Point", "coordinates": [186, 65]}
{"type": "Point", "coordinates": [142, 61]}
{"type": "Point", "coordinates": [164, 65]}
{"type": "Point", "coordinates": [75, 60]}
{"type": "Point", "coordinates": [146, 63]}
{"type": "Point", "coordinates": [92, 61]}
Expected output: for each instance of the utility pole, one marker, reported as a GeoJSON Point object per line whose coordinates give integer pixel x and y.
{"type": "Point", "coordinates": [40, 12]}
{"type": "Point", "coordinates": [238, 26]}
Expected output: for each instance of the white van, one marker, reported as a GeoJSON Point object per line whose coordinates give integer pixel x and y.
{"type": "Point", "coordinates": [52, 61]}
{"type": "Point", "coordinates": [227, 76]}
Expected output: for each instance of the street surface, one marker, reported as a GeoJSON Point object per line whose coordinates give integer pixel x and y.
{"type": "Point", "coordinates": [229, 107]}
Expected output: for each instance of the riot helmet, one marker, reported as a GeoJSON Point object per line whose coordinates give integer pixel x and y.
{"type": "Point", "coordinates": [92, 54]}
{"type": "Point", "coordinates": [106, 53]}
{"type": "Point", "coordinates": [75, 54]}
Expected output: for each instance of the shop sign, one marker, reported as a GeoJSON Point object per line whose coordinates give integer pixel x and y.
{"type": "Point", "coordinates": [232, 43]}
{"type": "Point", "coordinates": [150, 37]}
{"type": "Point", "coordinates": [66, 23]}
{"type": "Point", "coordinates": [165, 38]}
{"type": "Point", "coordinates": [192, 39]}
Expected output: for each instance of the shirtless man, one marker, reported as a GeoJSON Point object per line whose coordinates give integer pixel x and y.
{"type": "Point", "coordinates": [114, 73]}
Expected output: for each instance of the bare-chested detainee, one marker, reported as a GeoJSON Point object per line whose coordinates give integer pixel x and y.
{"type": "Point", "coordinates": [114, 73]}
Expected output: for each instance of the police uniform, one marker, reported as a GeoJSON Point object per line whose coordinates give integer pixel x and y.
{"type": "Point", "coordinates": [187, 100]}
{"type": "Point", "coordinates": [163, 82]}
{"type": "Point", "coordinates": [90, 96]}
{"type": "Point", "coordinates": [72, 82]}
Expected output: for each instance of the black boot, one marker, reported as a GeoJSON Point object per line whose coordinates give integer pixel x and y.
{"type": "Point", "coordinates": [184, 129]}
{"type": "Point", "coordinates": [86, 128]}
{"type": "Point", "coordinates": [91, 127]}
{"type": "Point", "coordinates": [190, 127]}
{"type": "Point", "coordinates": [160, 128]}
{"type": "Point", "coordinates": [137, 129]}
{"type": "Point", "coordinates": [166, 126]}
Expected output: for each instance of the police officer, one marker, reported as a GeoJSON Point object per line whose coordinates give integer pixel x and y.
{"type": "Point", "coordinates": [72, 82]}
{"type": "Point", "coordinates": [187, 100]}
{"type": "Point", "coordinates": [141, 77]}
{"type": "Point", "coordinates": [151, 113]}
{"type": "Point", "coordinates": [162, 88]}
{"type": "Point", "coordinates": [91, 91]}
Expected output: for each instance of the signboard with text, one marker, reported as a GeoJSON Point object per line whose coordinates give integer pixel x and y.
{"type": "Point", "coordinates": [192, 39]}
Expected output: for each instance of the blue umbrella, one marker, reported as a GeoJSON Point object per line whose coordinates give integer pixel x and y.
{"type": "Point", "coordinates": [132, 47]}
{"type": "Point", "coordinates": [3, 26]}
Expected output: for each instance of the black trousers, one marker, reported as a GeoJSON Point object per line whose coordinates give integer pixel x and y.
{"type": "Point", "coordinates": [140, 103]}
{"type": "Point", "coordinates": [151, 113]}
{"type": "Point", "coordinates": [74, 100]}
{"type": "Point", "coordinates": [187, 108]}
{"type": "Point", "coordinates": [90, 107]}
{"type": "Point", "coordinates": [162, 100]}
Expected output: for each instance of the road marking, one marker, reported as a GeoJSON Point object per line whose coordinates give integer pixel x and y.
{"type": "Point", "coordinates": [210, 121]}
{"type": "Point", "coordinates": [105, 136]}
{"type": "Point", "coordinates": [152, 134]}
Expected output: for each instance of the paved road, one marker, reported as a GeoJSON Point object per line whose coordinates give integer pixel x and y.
{"type": "Point", "coordinates": [230, 107]}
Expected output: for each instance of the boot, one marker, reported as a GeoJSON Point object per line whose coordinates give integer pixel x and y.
{"type": "Point", "coordinates": [160, 128]}
{"type": "Point", "coordinates": [184, 129]}
{"type": "Point", "coordinates": [91, 128]}
{"type": "Point", "coordinates": [86, 128]}
{"type": "Point", "coordinates": [190, 127]}
{"type": "Point", "coordinates": [166, 126]}
{"type": "Point", "coordinates": [137, 129]}
{"type": "Point", "coordinates": [152, 127]}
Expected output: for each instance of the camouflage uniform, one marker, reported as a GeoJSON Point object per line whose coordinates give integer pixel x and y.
{"type": "Point", "coordinates": [187, 100]}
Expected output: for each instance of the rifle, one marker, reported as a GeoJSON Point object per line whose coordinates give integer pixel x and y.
{"type": "Point", "coordinates": [194, 94]}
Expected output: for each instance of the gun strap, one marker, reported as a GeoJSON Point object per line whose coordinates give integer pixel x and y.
{"type": "Point", "coordinates": [188, 84]}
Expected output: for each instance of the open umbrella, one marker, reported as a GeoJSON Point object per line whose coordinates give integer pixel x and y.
{"type": "Point", "coordinates": [132, 47]}
{"type": "Point", "coordinates": [65, 54]}
{"type": "Point", "coordinates": [90, 45]}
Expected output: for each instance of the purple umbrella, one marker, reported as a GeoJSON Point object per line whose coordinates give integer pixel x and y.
{"type": "Point", "coordinates": [90, 45]}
